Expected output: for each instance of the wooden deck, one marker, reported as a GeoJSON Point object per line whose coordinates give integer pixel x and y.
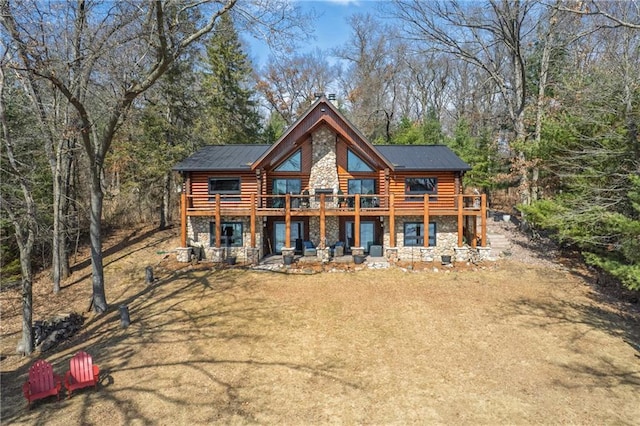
{"type": "Point", "coordinates": [291, 206]}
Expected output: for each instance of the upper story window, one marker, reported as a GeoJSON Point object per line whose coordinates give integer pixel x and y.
{"type": "Point", "coordinates": [291, 164]}
{"type": "Point", "coordinates": [366, 187]}
{"type": "Point", "coordinates": [224, 186]}
{"type": "Point", "coordinates": [362, 186]}
{"type": "Point", "coordinates": [420, 186]}
{"type": "Point", "coordinates": [286, 186]}
{"type": "Point", "coordinates": [356, 164]}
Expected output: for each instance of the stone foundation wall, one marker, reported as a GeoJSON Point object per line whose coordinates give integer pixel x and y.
{"type": "Point", "coordinates": [198, 236]}
{"type": "Point", "coordinates": [446, 238]}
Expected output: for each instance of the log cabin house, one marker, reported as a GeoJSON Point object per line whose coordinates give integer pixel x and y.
{"type": "Point", "coordinates": [322, 184]}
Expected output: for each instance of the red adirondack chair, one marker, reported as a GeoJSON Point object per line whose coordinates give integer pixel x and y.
{"type": "Point", "coordinates": [42, 382]}
{"type": "Point", "coordinates": [83, 373]}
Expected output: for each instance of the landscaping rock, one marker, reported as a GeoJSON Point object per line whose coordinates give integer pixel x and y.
{"type": "Point", "coordinates": [48, 333]}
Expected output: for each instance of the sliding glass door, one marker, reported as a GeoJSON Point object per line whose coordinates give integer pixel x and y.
{"type": "Point", "coordinates": [279, 234]}
{"type": "Point", "coordinates": [367, 234]}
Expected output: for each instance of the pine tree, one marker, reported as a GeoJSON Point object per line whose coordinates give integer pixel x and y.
{"type": "Point", "coordinates": [231, 111]}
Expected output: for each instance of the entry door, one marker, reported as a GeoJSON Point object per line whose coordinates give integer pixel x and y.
{"type": "Point", "coordinates": [280, 230]}
{"type": "Point", "coordinates": [367, 234]}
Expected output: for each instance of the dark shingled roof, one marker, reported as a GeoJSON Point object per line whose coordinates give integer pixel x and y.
{"type": "Point", "coordinates": [222, 157]}
{"type": "Point", "coordinates": [422, 157]}
{"type": "Point", "coordinates": [403, 157]}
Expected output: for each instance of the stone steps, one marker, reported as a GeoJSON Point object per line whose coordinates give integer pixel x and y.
{"type": "Point", "coordinates": [497, 240]}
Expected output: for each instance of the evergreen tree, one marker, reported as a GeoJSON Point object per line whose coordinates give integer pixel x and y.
{"type": "Point", "coordinates": [480, 153]}
{"type": "Point", "coordinates": [408, 133]}
{"type": "Point", "coordinates": [274, 129]}
{"type": "Point", "coordinates": [426, 132]}
{"type": "Point", "coordinates": [231, 112]}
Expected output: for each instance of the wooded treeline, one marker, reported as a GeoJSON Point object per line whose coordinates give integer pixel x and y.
{"type": "Point", "coordinates": [100, 99]}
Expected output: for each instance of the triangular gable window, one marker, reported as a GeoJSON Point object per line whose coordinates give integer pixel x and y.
{"type": "Point", "coordinates": [356, 164]}
{"type": "Point", "coordinates": [291, 164]}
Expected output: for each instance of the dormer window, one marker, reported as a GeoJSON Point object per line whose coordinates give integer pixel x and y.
{"type": "Point", "coordinates": [356, 164]}
{"type": "Point", "coordinates": [291, 164]}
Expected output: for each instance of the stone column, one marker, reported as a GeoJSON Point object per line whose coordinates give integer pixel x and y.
{"type": "Point", "coordinates": [484, 253]}
{"type": "Point", "coordinates": [324, 255]}
{"type": "Point", "coordinates": [461, 254]}
{"type": "Point", "coordinates": [253, 255]}
{"type": "Point", "coordinates": [217, 254]}
{"type": "Point", "coordinates": [324, 170]}
{"type": "Point", "coordinates": [357, 251]}
{"type": "Point", "coordinates": [183, 254]}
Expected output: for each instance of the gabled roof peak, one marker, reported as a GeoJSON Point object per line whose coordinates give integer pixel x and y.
{"type": "Point", "coordinates": [322, 111]}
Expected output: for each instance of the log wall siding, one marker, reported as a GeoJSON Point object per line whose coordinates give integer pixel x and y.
{"type": "Point", "coordinates": [344, 175]}
{"type": "Point", "coordinates": [446, 186]}
{"type": "Point", "coordinates": [348, 137]}
{"type": "Point", "coordinates": [303, 175]}
{"type": "Point", "coordinates": [200, 187]}
{"type": "Point", "coordinates": [298, 133]}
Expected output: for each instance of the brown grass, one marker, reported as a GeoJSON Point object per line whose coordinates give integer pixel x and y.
{"type": "Point", "coordinates": [504, 344]}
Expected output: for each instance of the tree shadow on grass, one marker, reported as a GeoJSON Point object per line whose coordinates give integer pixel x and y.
{"type": "Point", "coordinates": [589, 317]}
{"type": "Point", "coordinates": [172, 352]}
{"type": "Point", "coordinates": [121, 247]}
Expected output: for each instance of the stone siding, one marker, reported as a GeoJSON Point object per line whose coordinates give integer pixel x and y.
{"type": "Point", "coordinates": [332, 231]}
{"type": "Point", "coordinates": [446, 238]}
{"type": "Point", "coordinates": [198, 236]}
{"type": "Point", "coordinates": [324, 169]}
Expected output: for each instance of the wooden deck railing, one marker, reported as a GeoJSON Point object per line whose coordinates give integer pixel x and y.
{"type": "Point", "coordinates": [375, 204]}
{"type": "Point", "coordinates": [356, 206]}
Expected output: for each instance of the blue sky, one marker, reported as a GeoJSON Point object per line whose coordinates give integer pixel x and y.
{"type": "Point", "coordinates": [330, 28]}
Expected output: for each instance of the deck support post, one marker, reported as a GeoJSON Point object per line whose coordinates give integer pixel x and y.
{"type": "Point", "coordinates": [183, 218]}
{"type": "Point", "coordinates": [392, 220]}
{"type": "Point", "coordinates": [287, 221]}
{"type": "Point", "coordinates": [460, 220]}
{"type": "Point", "coordinates": [323, 231]}
{"type": "Point", "coordinates": [253, 220]}
{"type": "Point", "coordinates": [426, 221]}
{"type": "Point", "coordinates": [483, 219]}
{"type": "Point", "coordinates": [356, 224]}
{"type": "Point", "coordinates": [218, 225]}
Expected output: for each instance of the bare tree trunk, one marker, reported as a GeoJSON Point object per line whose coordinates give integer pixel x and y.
{"type": "Point", "coordinates": [59, 254]}
{"type": "Point", "coordinates": [542, 87]}
{"type": "Point", "coordinates": [57, 242]}
{"type": "Point", "coordinates": [95, 235]}
{"type": "Point", "coordinates": [24, 223]}
{"type": "Point", "coordinates": [68, 197]}
{"type": "Point", "coordinates": [26, 342]}
{"type": "Point", "coordinates": [509, 14]}
{"type": "Point", "coordinates": [165, 211]}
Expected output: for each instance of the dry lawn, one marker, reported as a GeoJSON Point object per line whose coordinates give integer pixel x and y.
{"type": "Point", "coordinates": [504, 344]}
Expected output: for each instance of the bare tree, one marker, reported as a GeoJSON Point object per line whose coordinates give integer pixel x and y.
{"type": "Point", "coordinates": [289, 82]}
{"type": "Point", "coordinates": [372, 80]}
{"type": "Point", "coordinates": [20, 207]}
{"type": "Point", "coordinates": [489, 36]}
{"type": "Point", "coordinates": [123, 48]}
{"type": "Point", "coordinates": [608, 10]}
{"type": "Point", "coordinates": [54, 118]}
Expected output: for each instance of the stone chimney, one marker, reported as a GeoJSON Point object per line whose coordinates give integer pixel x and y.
{"type": "Point", "coordinates": [324, 170]}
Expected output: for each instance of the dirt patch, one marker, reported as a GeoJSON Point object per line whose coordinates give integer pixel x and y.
{"type": "Point", "coordinates": [498, 343]}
